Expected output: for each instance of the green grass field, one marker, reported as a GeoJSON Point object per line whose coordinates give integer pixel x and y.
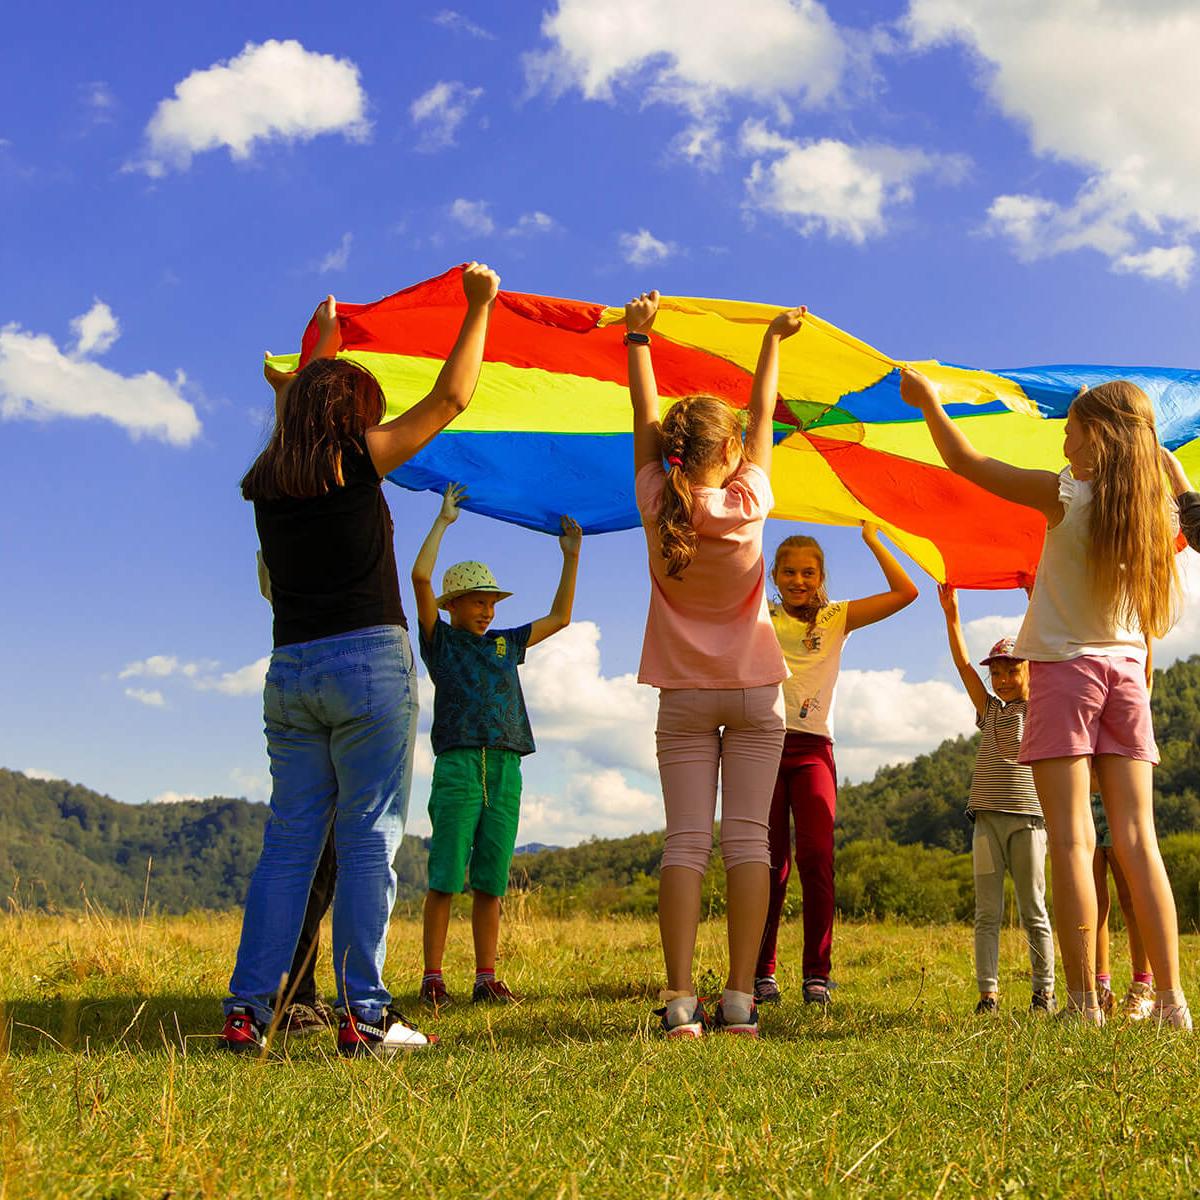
{"type": "Point", "coordinates": [111, 1083]}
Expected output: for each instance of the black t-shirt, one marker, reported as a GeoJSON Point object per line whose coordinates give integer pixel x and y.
{"type": "Point", "coordinates": [331, 559]}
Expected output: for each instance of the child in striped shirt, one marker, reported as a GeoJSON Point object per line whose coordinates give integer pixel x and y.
{"type": "Point", "coordinates": [1009, 830]}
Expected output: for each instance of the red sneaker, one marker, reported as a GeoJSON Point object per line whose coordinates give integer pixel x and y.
{"type": "Point", "coordinates": [389, 1035]}
{"type": "Point", "coordinates": [493, 991]}
{"type": "Point", "coordinates": [244, 1033]}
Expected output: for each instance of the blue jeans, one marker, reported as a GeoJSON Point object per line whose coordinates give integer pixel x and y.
{"type": "Point", "coordinates": [341, 717]}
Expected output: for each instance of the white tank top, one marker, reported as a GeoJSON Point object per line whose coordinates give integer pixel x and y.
{"type": "Point", "coordinates": [1065, 619]}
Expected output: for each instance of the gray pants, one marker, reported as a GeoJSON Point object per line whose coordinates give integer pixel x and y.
{"type": "Point", "coordinates": [1007, 840]}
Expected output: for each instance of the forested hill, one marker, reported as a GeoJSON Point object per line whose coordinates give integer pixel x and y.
{"type": "Point", "coordinates": [61, 844]}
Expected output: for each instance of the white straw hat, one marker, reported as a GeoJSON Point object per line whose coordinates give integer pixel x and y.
{"type": "Point", "coordinates": [467, 577]}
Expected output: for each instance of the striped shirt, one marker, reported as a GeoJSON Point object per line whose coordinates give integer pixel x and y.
{"type": "Point", "coordinates": [1000, 783]}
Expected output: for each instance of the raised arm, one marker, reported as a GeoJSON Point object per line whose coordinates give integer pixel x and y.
{"type": "Point", "coordinates": [329, 342]}
{"type": "Point", "coordinates": [765, 389]}
{"type": "Point", "coordinates": [396, 441]}
{"type": "Point", "coordinates": [422, 571]}
{"type": "Point", "coordinates": [1034, 489]}
{"type": "Point", "coordinates": [958, 650]}
{"type": "Point", "coordinates": [901, 589]}
{"type": "Point", "coordinates": [1189, 500]}
{"type": "Point", "coordinates": [643, 391]}
{"type": "Point", "coordinates": [559, 616]}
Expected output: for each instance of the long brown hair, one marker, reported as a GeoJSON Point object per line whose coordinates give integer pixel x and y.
{"type": "Point", "coordinates": [695, 432]}
{"type": "Point", "coordinates": [1131, 553]}
{"type": "Point", "coordinates": [801, 541]}
{"type": "Point", "coordinates": [330, 403]}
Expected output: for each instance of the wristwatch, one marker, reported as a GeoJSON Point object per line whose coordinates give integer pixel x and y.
{"type": "Point", "coordinates": [636, 339]}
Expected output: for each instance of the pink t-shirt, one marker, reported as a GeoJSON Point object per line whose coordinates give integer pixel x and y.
{"type": "Point", "coordinates": [711, 628]}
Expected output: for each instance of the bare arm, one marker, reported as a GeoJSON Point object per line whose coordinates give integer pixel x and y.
{"type": "Point", "coordinates": [958, 650]}
{"type": "Point", "coordinates": [1033, 489]}
{"type": "Point", "coordinates": [422, 571]}
{"type": "Point", "coordinates": [1189, 501]}
{"type": "Point", "coordinates": [901, 589]}
{"type": "Point", "coordinates": [643, 391]}
{"type": "Point", "coordinates": [765, 389]}
{"type": "Point", "coordinates": [329, 342]}
{"type": "Point", "coordinates": [396, 441]}
{"type": "Point", "coordinates": [559, 616]}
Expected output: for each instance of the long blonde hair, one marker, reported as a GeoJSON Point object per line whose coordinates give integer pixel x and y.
{"type": "Point", "coordinates": [695, 432]}
{"type": "Point", "coordinates": [1131, 552]}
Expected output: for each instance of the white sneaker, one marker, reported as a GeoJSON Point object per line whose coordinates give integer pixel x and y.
{"type": "Point", "coordinates": [1138, 1002]}
{"type": "Point", "coordinates": [379, 1039]}
{"type": "Point", "coordinates": [1172, 1016]}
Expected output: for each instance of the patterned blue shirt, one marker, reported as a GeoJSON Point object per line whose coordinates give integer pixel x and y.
{"type": "Point", "coordinates": [477, 699]}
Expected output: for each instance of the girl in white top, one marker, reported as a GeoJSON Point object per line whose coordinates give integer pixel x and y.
{"type": "Point", "coordinates": [811, 632]}
{"type": "Point", "coordinates": [1106, 584]}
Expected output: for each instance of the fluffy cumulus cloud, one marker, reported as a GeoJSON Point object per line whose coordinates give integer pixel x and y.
{"type": "Point", "coordinates": [473, 216]}
{"type": "Point", "coordinates": [40, 774]}
{"type": "Point", "coordinates": [204, 676]}
{"type": "Point", "coordinates": [594, 803]}
{"type": "Point", "coordinates": [828, 186]}
{"type": "Point", "coordinates": [1184, 640]}
{"type": "Point", "coordinates": [273, 91]}
{"type": "Point", "coordinates": [882, 718]}
{"type": "Point", "coordinates": [170, 797]}
{"type": "Point", "coordinates": [642, 248]}
{"type": "Point", "coordinates": [150, 697]}
{"type": "Point", "coordinates": [605, 719]}
{"type": "Point", "coordinates": [688, 53]}
{"type": "Point", "coordinates": [337, 258]}
{"type": "Point", "coordinates": [41, 381]}
{"type": "Point", "coordinates": [1122, 105]}
{"type": "Point", "coordinates": [448, 18]}
{"type": "Point", "coordinates": [439, 112]}
{"type": "Point", "coordinates": [984, 632]}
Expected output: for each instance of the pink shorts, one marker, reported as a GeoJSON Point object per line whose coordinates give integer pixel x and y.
{"type": "Point", "coordinates": [1088, 705]}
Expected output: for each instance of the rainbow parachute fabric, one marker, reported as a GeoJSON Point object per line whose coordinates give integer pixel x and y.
{"type": "Point", "coordinates": [548, 430]}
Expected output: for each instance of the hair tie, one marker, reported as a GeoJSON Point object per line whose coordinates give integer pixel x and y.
{"type": "Point", "coordinates": [674, 461]}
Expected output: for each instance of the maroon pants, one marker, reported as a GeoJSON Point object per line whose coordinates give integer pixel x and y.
{"type": "Point", "coordinates": [806, 795]}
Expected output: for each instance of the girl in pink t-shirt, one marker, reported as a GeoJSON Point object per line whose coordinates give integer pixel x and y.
{"type": "Point", "coordinates": [711, 652]}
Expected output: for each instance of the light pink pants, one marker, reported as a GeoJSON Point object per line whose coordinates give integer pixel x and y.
{"type": "Point", "coordinates": [737, 733]}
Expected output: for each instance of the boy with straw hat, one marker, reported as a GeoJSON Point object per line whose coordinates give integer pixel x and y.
{"type": "Point", "coordinates": [480, 732]}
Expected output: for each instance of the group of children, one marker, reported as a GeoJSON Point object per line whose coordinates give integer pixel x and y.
{"type": "Point", "coordinates": [747, 695]}
{"type": "Point", "coordinates": [746, 699]}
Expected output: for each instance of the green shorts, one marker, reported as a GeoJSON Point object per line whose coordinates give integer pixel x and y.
{"type": "Point", "coordinates": [474, 806]}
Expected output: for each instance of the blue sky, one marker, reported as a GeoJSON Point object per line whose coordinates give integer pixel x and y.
{"type": "Point", "coordinates": [939, 177]}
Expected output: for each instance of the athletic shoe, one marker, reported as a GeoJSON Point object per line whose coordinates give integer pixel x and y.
{"type": "Point", "coordinates": [692, 1028]}
{"type": "Point", "coordinates": [988, 1006]}
{"type": "Point", "coordinates": [1138, 1002]}
{"type": "Point", "coordinates": [1106, 1000]}
{"type": "Point", "coordinates": [299, 1020]}
{"type": "Point", "coordinates": [816, 991]}
{"type": "Point", "coordinates": [1042, 1001]}
{"type": "Point", "coordinates": [1093, 1017]}
{"type": "Point", "coordinates": [746, 1028]}
{"type": "Point", "coordinates": [244, 1033]}
{"type": "Point", "coordinates": [433, 992]}
{"type": "Point", "coordinates": [1172, 1016]}
{"type": "Point", "coordinates": [389, 1035]}
{"type": "Point", "coordinates": [493, 991]}
{"type": "Point", "coordinates": [766, 990]}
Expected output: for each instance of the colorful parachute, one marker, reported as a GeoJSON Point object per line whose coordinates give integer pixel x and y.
{"type": "Point", "coordinates": [548, 431]}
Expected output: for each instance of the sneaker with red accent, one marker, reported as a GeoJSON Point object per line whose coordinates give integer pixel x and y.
{"type": "Point", "coordinates": [244, 1033]}
{"type": "Point", "coordinates": [691, 1027]}
{"type": "Point", "coordinates": [433, 992]}
{"type": "Point", "coordinates": [390, 1034]}
{"type": "Point", "coordinates": [746, 1028]}
{"type": "Point", "coordinates": [1138, 1002]}
{"type": "Point", "coordinates": [493, 991]}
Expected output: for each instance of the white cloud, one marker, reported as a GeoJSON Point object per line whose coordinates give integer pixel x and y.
{"type": "Point", "coordinates": [643, 248]}
{"type": "Point", "coordinates": [159, 666]}
{"type": "Point", "coordinates": [439, 112]}
{"type": "Point", "coordinates": [607, 719]}
{"type": "Point", "coordinates": [690, 54]}
{"type": "Point", "coordinates": [254, 784]}
{"type": "Point", "coordinates": [701, 145]}
{"type": "Point", "coordinates": [449, 19]}
{"type": "Point", "coordinates": [473, 216]}
{"type": "Point", "coordinates": [245, 681]}
{"type": "Point", "coordinates": [1184, 640]}
{"type": "Point", "coordinates": [1122, 105]}
{"type": "Point", "coordinates": [38, 773]}
{"type": "Point", "coordinates": [274, 91]}
{"type": "Point", "coordinates": [533, 223]}
{"type": "Point", "coordinates": [594, 803]}
{"type": "Point", "coordinates": [41, 382]}
{"type": "Point", "coordinates": [984, 632]}
{"type": "Point", "coordinates": [336, 260]}
{"type": "Point", "coordinates": [174, 798]}
{"type": "Point", "coordinates": [152, 698]}
{"type": "Point", "coordinates": [96, 330]}
{"type": "Point", "coordinates": [883, 718]}
{"type": "Point", "coordinates": [828, 186]}
{"type": "Point", "coordinates": [99, 101]}
{"type": "Point", "coordinates": [1172, 263]}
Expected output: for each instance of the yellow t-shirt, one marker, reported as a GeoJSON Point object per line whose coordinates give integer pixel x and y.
{"type": "Point", "coordinates": [814, 659]}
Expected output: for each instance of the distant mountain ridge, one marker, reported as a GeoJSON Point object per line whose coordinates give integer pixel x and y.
{"type": "Point", "coordinates": [62, 845]}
